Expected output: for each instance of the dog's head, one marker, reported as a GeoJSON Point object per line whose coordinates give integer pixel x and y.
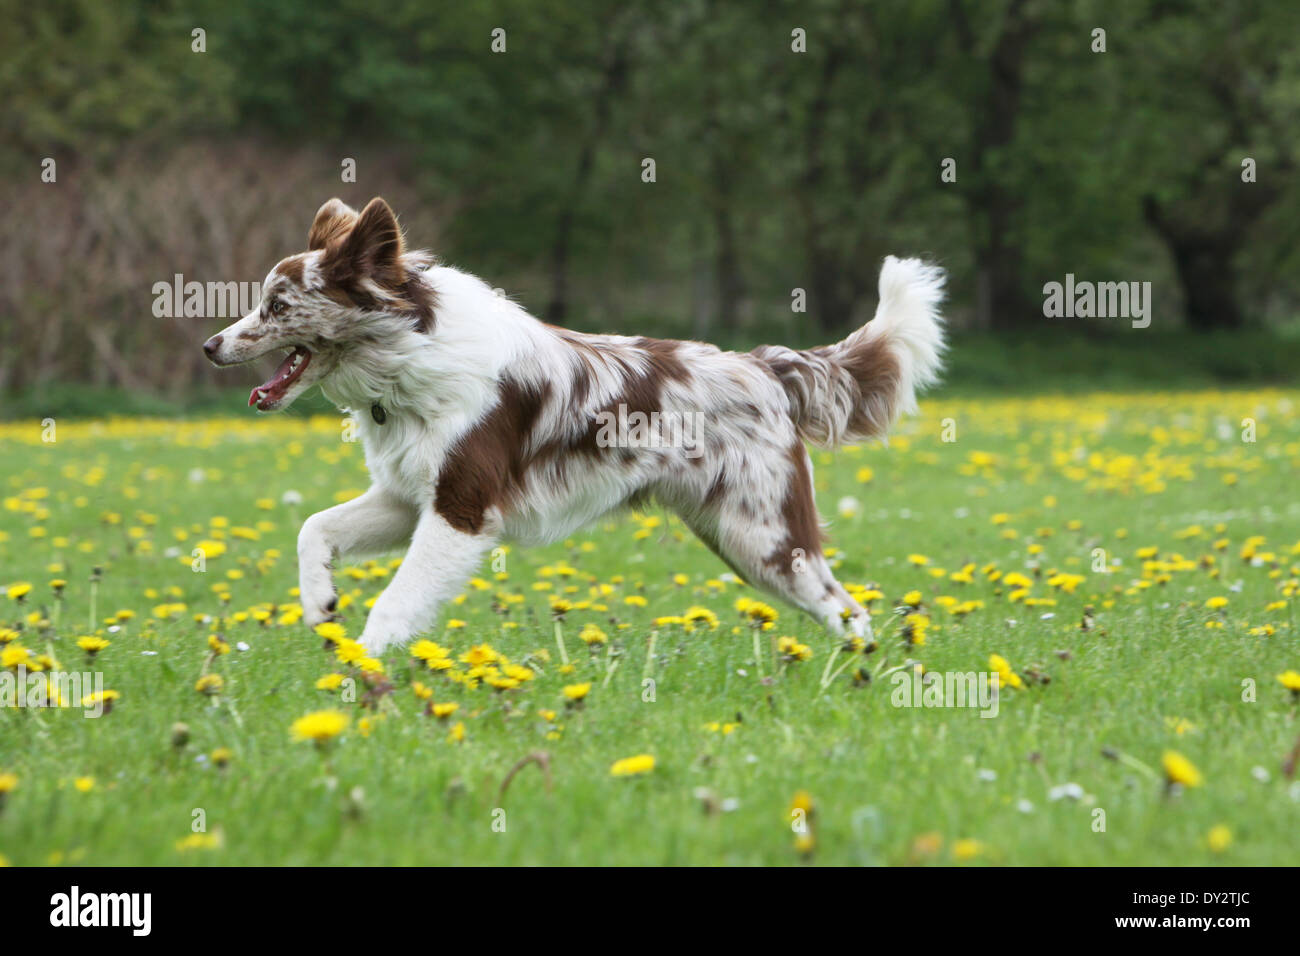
{"type": "Point", "coordinates": [355, 286]}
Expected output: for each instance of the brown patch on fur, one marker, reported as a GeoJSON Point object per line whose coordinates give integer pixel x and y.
{"type": "Point", "coordinates": [350, 297]}
{"type": "Point", "coordinates": [292, 269]}
{"type": "Point", "coordinates": [584, 369]}
{"type": "Point", "coordinates": [333, 221]}
{"type": "Point", "coordinates": [763, 365]}
{"type": "Point", "coordinates": [422, 297]}
{"type": "Point", "coordinates": [664, 359]}
{"type": "Point", "coordinates": [787, 369]}
{"type": "Point", "coordinates": [717, 490]}
{"type": "Point", "coordinates": [580, 386]}
{"type": "Point", "coordinates": [487, 468]}
{"type": "Point", "coordinates": [641, 391]}
{"type": "Point", "coordinates": [865, 372]}
{"type": "Point", "coordinates": [874, 368]}
{"type": "Point", "coordinates": [371, 249]}
{"type": "Point", "coordinates": [803, 530]}
{"type": "Point", "coordinates": [370, 246]}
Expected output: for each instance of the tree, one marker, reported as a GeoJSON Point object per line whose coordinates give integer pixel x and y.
{"type": "Point", "coordinates": [1240, 102]}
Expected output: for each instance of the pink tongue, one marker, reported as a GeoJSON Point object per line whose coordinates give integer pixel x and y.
{"type": "Point", "coordinates": [281, 373]}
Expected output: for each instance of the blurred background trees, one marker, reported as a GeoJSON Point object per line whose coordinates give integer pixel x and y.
{"type": "Point", "coordinates": [775, 170]}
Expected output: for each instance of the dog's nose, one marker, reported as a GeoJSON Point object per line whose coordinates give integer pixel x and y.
{"type": "Point", "coordinates": [211, 345]}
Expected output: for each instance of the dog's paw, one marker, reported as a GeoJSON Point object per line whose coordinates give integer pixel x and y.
{"type": "Point", "coordinates": [379, 635]}
{"type": "Point", "coordinates": [318, 612]}
{"type": "Point", "coordinates": [860, 625]}
{"type": "Point", "coordinates": [375, 646]}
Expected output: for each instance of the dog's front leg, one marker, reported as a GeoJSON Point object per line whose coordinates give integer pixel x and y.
{"type": "Point", "coordinates": [436, 567]}
{"type": "Point", "coordinates": [374, 522]}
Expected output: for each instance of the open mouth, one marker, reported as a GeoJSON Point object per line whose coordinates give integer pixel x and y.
{"type": "Point", "coordinates": [269, 394]}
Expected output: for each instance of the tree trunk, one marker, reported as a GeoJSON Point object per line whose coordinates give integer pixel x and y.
{"type": "Point", "coordinates": [1209, 284]}
{"type": "Point", "coordinates": [1000, 301]}
{"type": "Point", "coordinates": [614, 78]}
{"type": "Point", "coordinates": [730, 283]}
{"type": "Point", "coordinates": [558, 306]}
{"type": "Point", "coordinates": [1202, 242]}
{"type": "Point", "coordinates": [827, 306]}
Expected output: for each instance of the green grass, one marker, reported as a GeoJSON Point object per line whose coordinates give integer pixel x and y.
{"type": "Point", "coordinates": [1159, 470]}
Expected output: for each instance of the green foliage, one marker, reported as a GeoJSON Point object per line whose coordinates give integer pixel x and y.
{"type": "Point", "coordinates": [775, 169]}
{"type": "Point", "coordinates": [82, 78]}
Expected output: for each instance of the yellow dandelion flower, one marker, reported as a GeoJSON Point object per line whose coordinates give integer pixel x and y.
{"type": "Point", "coordinates": [1178, 769]}
{"type": "Point", "coordinates": [630, 766]}
{"type": "Point", "coordinates": [320, 726]}
{"type": "Point", "coordinates": [92, 645]}
{"type": "Point", "coordinates": [330, 631]}
{"type": "Point", "coordinates": [577, 691]}
{"type": "Point", "coordinates": [348, 651]}
{"type": "Point", "coordinates": [592, 635]}
{"type": "Point", "coordinates": [701, 615]}
{"type": "Point", "coordinates": [199, 841]}
{"type": "Point", "coordinates": [210, 684]}
{"type": "Point", "coordinates": [479, 654]}
{"type": "Point", "coordinates": [792, 650]}
{"type": "Point", "coordinates": [425, 650]}
{"type": "Point", "coordinates": [105, 697]}
{"type": "Point", "coordinates": [1219, 838]}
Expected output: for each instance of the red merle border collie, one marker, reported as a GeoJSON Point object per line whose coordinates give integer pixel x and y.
{"type": "Point", "coordinates": [481, 423]}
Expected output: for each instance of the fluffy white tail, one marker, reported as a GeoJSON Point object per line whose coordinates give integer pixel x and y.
{"type": "Point", "coordinates": [855, 389]}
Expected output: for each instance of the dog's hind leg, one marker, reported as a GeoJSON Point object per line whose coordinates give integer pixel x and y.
{"type": "Point", "coordinates": [775, 541]}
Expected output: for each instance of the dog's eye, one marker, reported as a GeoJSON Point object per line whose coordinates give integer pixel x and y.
{"type": "Point", "coordinates": [278, 307]}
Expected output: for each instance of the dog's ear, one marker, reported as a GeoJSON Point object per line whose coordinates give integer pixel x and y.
{"type": "Point", "coordinates": [375, 245]}
{"type": "Point", "coordinates": [333, 220]}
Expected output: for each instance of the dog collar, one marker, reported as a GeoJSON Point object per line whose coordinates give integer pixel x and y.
{"type": "Point", "coordinates": [378, 414]}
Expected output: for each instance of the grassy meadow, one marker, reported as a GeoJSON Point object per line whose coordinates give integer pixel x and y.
{"type": "Point", "coordinates": [1129, 564]}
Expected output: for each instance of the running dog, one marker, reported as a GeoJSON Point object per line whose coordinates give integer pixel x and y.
{"type": "Point", "coordinates": [481, 423]}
